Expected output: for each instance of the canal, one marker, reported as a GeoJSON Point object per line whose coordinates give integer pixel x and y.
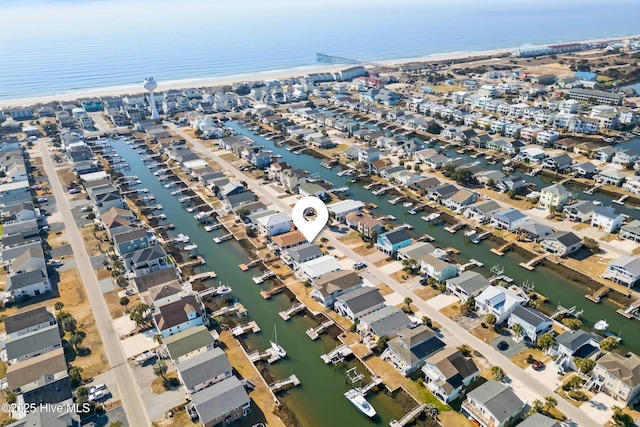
{"type": "Point", "coordinates": [558, 289]}
{"type": "Point", "coordinates": [319, 401]}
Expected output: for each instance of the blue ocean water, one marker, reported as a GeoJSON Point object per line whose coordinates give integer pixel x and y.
{"type": "Point", "coordinates": [54, 47]}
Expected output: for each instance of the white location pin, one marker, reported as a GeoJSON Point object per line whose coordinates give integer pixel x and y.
{"type": "Point", "coordinates": [310, 229]}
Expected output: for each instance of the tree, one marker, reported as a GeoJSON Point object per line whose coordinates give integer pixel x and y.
{"type": "Point", "coordinates": [575, 382]}
{"type": "Point", "coordinates": [591, 244]}
{"type": "Point", "coordinates": [518, 331]}
{"type": "Point", "coordinates": [160, 369]}
{"type": "Point", "coordinates": [324, 241]}
{"type": "Point", "coordinates": [490, 319]}
{"type": "Point", "coordinates": [75, 340]}
{"type": "Point", "coordinates": [431, 410]}
{"type": "Point", "coordinates": [545, 341]}
{"type": "Point", "coordinates": [68, 322]}
{"type": "Point", "coordinates": [75, 376]}
{"type": "Point", "coordinates": [121, 280]}
{"type": "Point", "coordinates": [158, 339]}
{"type": "Point", "coordinates": [512, 194]}
{"type": "Point", "coordinates": [427, 321]}
{"type": "Point", "coordinates": [307, 285]}
{"type": "Point", "coordinates": [409, 265]}
{"type": "Point", "coordinates": [621, 418]}
{"type": "Point", "coordinates": [550, 402]}
{"type": "Point", "coordinates": [58, 305]}
{"type": "Point", "coordinates": [571, 323]}
{"type": "Point", "coordinates": [491, 183]}
{"type": "Point", "coordinates": [434, 127]}
{"type": "Point", "coordinates": [198, 133]}
{"type": "Point", "coordinates": [139, 314]}
{"type": "Point", "coordinates": [583, 364]}
{"type": "Point", "coordinates": [11, 397]}
{"type": "Point", "coordinates": [536, 406]}
{"type": "Point", "coordinates": [407, 302]}
{"type": "Point", "coordinates": [608, 344]}
{"type": "Point", "coordinates": [462, 176]}
{"type": "Point", "coordinates": [497, 373]}
{"type": "Point", "coordinates": [382, 343]}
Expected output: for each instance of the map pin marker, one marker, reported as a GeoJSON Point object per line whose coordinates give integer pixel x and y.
{"type": "Point", "coordinates": [310, 227]}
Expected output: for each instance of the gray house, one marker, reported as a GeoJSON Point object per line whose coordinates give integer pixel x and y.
{"type": "Point", "coordinates": [130, 241]}
{"type": "Point", "coordinates": [359, 303]}
{"type": "Point", "coordinates": [581, 211]}
{"type": "Point", "coordinates": [302, 253]}
{"type": "Point", "coordinates": [387, 321]}
{"type": "Point", "coordinates": [561, 243]}
{"type": "Point", "coordinates": [408, 351]}
{"type": "Point", "coordinates": [469, 284]}
{"type": "Point", "coordinates": [493, 405]}
{"type": "Point", "coordinates": [221, 403]}
{"type": "Point", "coordinates": [532, 321]}
{"type": "Point", "coordinates": [33, 343]}
{"type": "Point", "coordinates": [204, 369]}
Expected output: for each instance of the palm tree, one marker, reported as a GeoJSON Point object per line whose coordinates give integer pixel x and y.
{"type": "Point", "coordinates": [58, 305]}
{"type": "Point", "coordinates": [550, 402]}
{"type": "Point", "coordinates": [497, 373]}
{"type": "Point", "coordinates": [324, 241]}
{"type": "Point", "coordinates": [518, 330]}
{"type": "Point", "coordinates": [545, 341]}
{"type": "Point", "coordinates": [537, 405]}
{"type": "Point", "coordinates": [158, 339]}
{"type": "Point", "coordinates": [491, 319]}
{"type": "Point", "coordinates": [75, 340]}
{"type": "Point", "coordinates": [160, 369]}
{"type": "Point", "coordinates": [407, 302]}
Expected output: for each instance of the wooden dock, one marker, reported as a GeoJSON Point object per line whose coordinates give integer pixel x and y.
{"type": "Point", "coordinates": [231, 309]}
{"type": "Point", "coordinates": [452, 229]}
{"type": "Point", "coordinates": [247, 266]}
{"type": "Point", "coordinates": [621, 200]}
{"type": "Point", "coordinates": [193, 263]}
{"type": "Point", "coordinates": [375, 382]}
{"type": "Point", "coordinates": [502, 249]}
{"type": "Point", "coordinates": [480, 237]}
{"type": "Point", "coordinates": [530, 265]}
{"type": "Point", "coordinates": [472, 263]}
{"type": "Point", "coordinates": [243, 329]}
{"type": "Point", "coordinates": [273, 291]}
{"type": "Point", "coordinates": [630, 311]}
{"type": "Point", "coordinates": [314, 333]}
{"type": "Point", "coordinates": [223, 238]}
{"type": "Point", "coordinates": [269, 355]}
{"type": "Point", "coordinates": [410, 416]}
{"type": "Point", "coordinates": [336, 355]}
{"type": "Point", "coordinates": [295, 308]}
{"type": "Point", "coordinates": [203, 276]}
{"type": "Point", "coordinates": [597, 295]}
{"type": "Point", "coordinates": [285, 383]}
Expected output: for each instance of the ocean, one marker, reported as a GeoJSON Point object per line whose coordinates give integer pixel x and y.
{"type": "Point", "coordinates": [56, 47]}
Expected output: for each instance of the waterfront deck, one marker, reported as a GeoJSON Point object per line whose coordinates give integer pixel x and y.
{"type": "Point", "coordinates": [292, 381]}
{"type": "Point", "coordinates": [314, 333]}
{"type": "Point", "coordinates": [410, 416]}
{"type": "Point", "coordinates": [294, 309]}
{"type": "Point", "coordinates": [273, 291]}
{"type": "Point", "coordinates": [631, 311]}
{"type": "Point", "coordinates": [243, 329]}
{"type": "Point", "coordinates": [250, 264]}
{"type": "Point", "coordinates": [336, 355]}
{"type": "Point", "coordinates": [502, 249]}
{"type": "Point", "coordinates": [223, 238]}
{"type": "Point", "coordinates": [269, 355]}
{"type": "Point", "coordinates": [530, 265]}
{"type": "Point", "coordinates": [597, 295]}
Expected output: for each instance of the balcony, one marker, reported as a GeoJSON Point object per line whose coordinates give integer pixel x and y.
{"type": "Point", "coordinates": [476, 415]}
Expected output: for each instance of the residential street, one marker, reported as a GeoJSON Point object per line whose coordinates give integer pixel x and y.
{"type": "Point", "coordinates": [129, 391]}
{"type": "Point", "coordinates": [519, 379]}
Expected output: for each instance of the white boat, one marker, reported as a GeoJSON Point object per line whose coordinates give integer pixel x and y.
{"type": "Point", "coordinates": [211, 227]}
{"type": "Point", "coordinates": [358, 400]}
{"type": "Point", "coordinates": [431, 217]}
{"type": "Point", "coordinates": [596, 202]}
{"type": "Point", "coordinates": [470, 233]}
{"type": "Point", "coordinates": [407, 204]}
{"type": "Point", "coordinates": [601, 325]}
{"type": "Point", "coordinates": [275, 347]}
{"type": "Point", "coordinates": [223, 290]}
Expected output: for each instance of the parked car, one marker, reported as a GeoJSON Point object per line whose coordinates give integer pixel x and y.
{"type": "Point", "coordinates": [75, 190]}
{"type": "Point", "coordinates": [502, 345]}
{"type": "Point", "coordinates": [537, 365]}
{"type": "Point", "coordinates": [359, 266]}
{"type": "Point", "coordinates": [42, 200]}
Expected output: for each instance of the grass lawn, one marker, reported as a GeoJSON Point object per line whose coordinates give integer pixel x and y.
{"type": "Point", "coordinates": [364, 250]}
{"type": "Point", "coordinates": [520, 359]}
{"type": "Point", "coordinates": [487, 335]}
{"type": "Point", "coordinates": [157, 385]}
{"type": "Point", "coordinates": [426, 293]}
{"type": "Point", "coordinates": [451, 311]}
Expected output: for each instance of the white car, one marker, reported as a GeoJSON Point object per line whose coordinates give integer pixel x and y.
{"type": "Point", "coordinates": [42, 199]}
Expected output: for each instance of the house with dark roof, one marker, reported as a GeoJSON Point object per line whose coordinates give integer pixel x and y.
{"type": "Point", "coordinates": [561, 243]}
{"type": "Point", "coordinates": [162, 294]}
{"type": "Point", "coordinates": [358, 303]}
{"type": "Point", "coordinates": [188, 343]}
{"type": "Point", "coordinates": [467, 285]}
{"type": "Point", "coordinates": [28, 321]}
{"type": "Point", "coordinates": [508, 219]}
{"type": "Point", "coordinates": [393, 240]}
{"type": "Point", "coordinates": [31, 370]}
{"type": "Point", "coordinates": [387, 321]}
{"type": "Point", "coordinates": [48, 389]}
{"type": "Point", "coordinates": [481, 211]}
{"type": "Point", "coordinates": [40, 418]}
{"type": "Point", "coordinates": [31, 259]}
{"type": "Point", "coordinates": [158, 277]}
{"type": "Point", "coordinates": [448, 373]}
{"type": "Point", "coordinates": [618, 376]}
{"type": "Point", "coordinates": [130, 241]}
{"type": "Point", "coordinates": [328, 287]}
{"type": "Point", "coordinates": [409, 349]}
{"type": "Point", "coordinates": [533, 231]}
{"type": "Point", "coordinates": [572, 344]}
{"type": "Point", "coordinates": [581, 211]}
{"type": "Point", "coordinates": [493, 405]}
{"type": "Point", "coordinates": [30, 283]}
{"type": "Point", "coordinates": [221, 403]}
{"type": "Point", "coordinates": [205, 369]}
{"type": "Point", "coordinates": [32, 344]}
{"type": "Point", "coordinates": [296, 255]}
{"type": "Point", "coordinates": [532, 321]}
{"type": "Point", "coordinates": [585, 169]}
{"type": "Point", "coordinates": [539, 420]}
{"type": "Point", "coordinates": [145, 261]}
{"type": "Point", "coordinates": [558, 163]}
{"type": "Point", "coordinates": [176, 316]}
{"type": "Point", "coordinates": [441, 192]}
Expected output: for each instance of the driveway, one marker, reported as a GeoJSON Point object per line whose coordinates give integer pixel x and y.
{"type": "Point", "coordinates": [514, 347]}
{"type": "Point", "coordinates": [108, 379]}
{"type": "Point", "coordinates": [599, 408]}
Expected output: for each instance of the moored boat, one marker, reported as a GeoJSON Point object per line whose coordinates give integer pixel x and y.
{"type": "Point", "coordinates": [358, 400]}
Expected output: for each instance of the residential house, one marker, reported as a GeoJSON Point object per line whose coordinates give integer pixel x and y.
{"type": "Point", "coordinates": [509, 183]}
{"type": "Point", "coordinates": [436, 161]}
{"type": "Point", "coordinates": [632, 186]}
{"type": "Point", "coordinates": [606, 219]}
{"type": "Point", "coordinates": [415, 251]}
{"type": "Point", "coordinates": [539, 420]}
{"type": "Point", "coordinates": [339, 210]}
{"type": "Point", "coordinates": [618, 376]}
{"type": "Point", "coordinates": [508, 219]}
{"type": "Point", "coordinates": [145, 261]}
{"type": "Point", "coordinates": [561, 243]}
{"type": "Point", "coordinates": [558, 163]}
{"type": "Point", "coordinates": [493, 404]}
{"type": "Point", "coordinates": [31, 259]}
{"type": "Point", "coordinates": [205, 369]}
{"type": "Point", "coordinates": [625, 156]}
{"type": "Point", "coordinates": [481, 211]}
{"type": "Point", "coordinates": [327, 287]}
{"type": "Point", "coordinates": [604, 154]}
{"type": "Point", "coordinates": [222, 403]}
{"type": "Point", "coordinates": [533, 231]}
{"type": "Point", "coordinates": [441, 192]}
{"type": "Point", "coordinates": [611, 177]}
{"type": "Point", "coordinates": [487, 176]}
{"type": "Point", "coordinates": [631, 231]}
{"type": "Point", "coordinates": [31, 344]}
{"type": "Point", "coordinates": [130, 241]}
{"type": "Point", "coordinates": [625, 270]}
{"type": "Point", "coordinates": [554, 195]}
{"type": "Point", "coordinates": [299, 254]}
{"type": "Point", "coordinates": [385, 322]}
{"type": "Point", "coordinates": [410, 348]}
{"type": "Point", "coordinates": [572, 344]}
{"type": "Point", "coordinates": [28, 321]}
{"type": "Point", "coordinates": [585, 169]}
{"type": "Point", "coordinates": [178, 315]}
{"type": "Point", "coordinates": [29, 283]}
{"type": "Point", "coordinates": [460, 200]}
{"type": "Point", "coordinates": [29, 371]}
{"type": "Point", "coordinates": [581, 211]}
{"type": "Point", "coordinates": [390, 241]}
{"type": "Point", "coordinates": [532, 321]}
{"type": "Point", "coordinates": [160, 277]}
{"type": "Point", "coordinates": [565, 144]}
{"type": "Point", "coordinates": [366, 224]}
{"type": "Point", "coordinates": [317, 267]}
{"type": "Point", "coordinates": [272, 225]}
{"type": "Point", "coordinates": [500, 301]}
{"type": "Point", "coordinates": [468, 285]}
{"type": "Point", "coordinates": [358, 303]}
{"type": "Point", "coordinates": [288, 240]}
{"type": "Point", "coordinates": [439, 269]}
{"type": "Point", "coordinates": [309, 189]}
{"type": "Point", "coordinates": [448, 373]}
{"type": "Point", "coordinates": [188, 343]}
{"type": "Point", "coordinates": [40, 418]}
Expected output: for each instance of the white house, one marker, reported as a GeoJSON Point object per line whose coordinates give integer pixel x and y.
{"type": "Point", "coordinates": [561, 243]}
{"type": "Point", "coordinates": [625, 270]}
{"type": "Point", "coordinates": [606, 219]}
{"type": "Point", "coordinates": [358, 303]}
{"type": "Point", "coordinates": [508, 219]}
{"type": "Point", "coordinates": [448, 373]}
{"type": "Point", "coordinates": [342, 208]}
{"type": "Point", "coordinates": [469, 284]}
{"type": "Point", "coordinates": [272, 225]}
{"type": "Point", "coordinates": [554, 195]}
{"type": "Point", "coordinates": [317, 267]}
{"type": "Point", "coordinates": [440, 270]}
{"type": "Point", "coordinates": [532, 321]}
{"type": "Point", "coordinates": [500, 301]}
{"type": "Point", "coordinates": [618, 376]}
{"type": "Point", "coordinates": [493, 404]}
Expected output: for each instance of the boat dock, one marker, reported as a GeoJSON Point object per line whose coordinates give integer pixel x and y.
{"type": "Point", "coordinates": [502, 249]}
{"type": "Point", "coordinates": [269, 355]}
{"type": "Point", "coordinates": [247, 266]}
{"type": "Point", "coordinates": [381, 191]}
{"type": "Point", "coordinates": [294, 309]}
{"type": "Point", "coordinates": [279, 385]}
{"type": "Point", "coordinates": [193, 263]}
{"type": "Point", "coordinates": [243, 329]}
{"type": "Point", "coordinates": [370, 186]}
{"type": "Point", "coordinates": [410, 416]}
{"type": "Point", "coordinates": [530, 265]}
{"type": "Point", "coordinates": [472, 263]}
{"type": "Point", "coordinates": [631, 310]}
{"type": "Point", "coordinates": [396, 200]}
{"type": "Point", "coordinates": [453, 228]}
{"type": "Point", "coordinates": [272, 291]}
{"type": "Point", "coordinates": [231, 309]}
{"type": "Point", "coordinates": [261, 278]}
{"type": "Point", "coordinates": [337, 354]}
{"type": "Point", "coordinates": [375, 382]}
{"type": "Point", "coordinates": [600, 293]}
{"type": "Point", "coordinates": [562, 310]}
{"type": "Point", "coordinates": [480, 237]}
{"type": "Point", "coordinates": [621, 200]}
{"type": "Point", "coordinates": [314, 333]}
{"type": "Point", "coordinates": [223, 238]}
{"type": "Point", "coordinates": [406, 226]}
{"type": "Point", "coordinates": [203, 276]}
{"type": "Point", "coordinates": [593, 189]}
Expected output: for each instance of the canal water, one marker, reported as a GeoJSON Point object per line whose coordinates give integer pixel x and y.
{"type": "Point", "coordinates": [558, 289]}
{"type": "Point", "coordinates": [319, 401]}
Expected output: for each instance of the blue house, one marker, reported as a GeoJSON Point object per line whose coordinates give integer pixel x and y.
{"type": "Point", "coordinates": [393, 240]}
{"type": "Point", "coordinates": [585, 75]}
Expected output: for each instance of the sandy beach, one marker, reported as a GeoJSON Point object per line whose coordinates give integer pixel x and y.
{"type": "Point", "coordinates": [274, 74]}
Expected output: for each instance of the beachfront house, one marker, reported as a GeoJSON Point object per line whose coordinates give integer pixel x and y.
{"type": "Point", "coordinates": [606, 219]}
{"type": "Point", "coordinates": [500, 301]}
{"type": "Point", "coordinates": [493, 404]}
{"type": "Point", "coordinates": [468, 285]}
{"type": "Point", "coordinates": [328, 287]}
{"type": "Point", "coordinates": [554, 195]}
{"type": "Point", "coordinates": [532, 321]}
{"type": "Point", "coordinates": [448, 373]}
{"type": "Point", "coordinates": [561, 243]}
{"type": "Point", "coordinates": [409, 350]}
{"type": "Point", "coordinates": [508, 219]}
{"type": "Point", "coordinates": [393, 240]}
{"type": "Point", "coordinates": [618, 376]}
{"type": "Point", "coordinates": [625, 270]}
{"type": "Point", "coordinates": [358, 303]}
{"type": "Point", "coordinates": [439, 269]}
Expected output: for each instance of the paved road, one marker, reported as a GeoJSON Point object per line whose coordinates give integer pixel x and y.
{"type": "Point", "coordinates": [458, 332]}
{"type": "Point", "coordinates": [129, 391]}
